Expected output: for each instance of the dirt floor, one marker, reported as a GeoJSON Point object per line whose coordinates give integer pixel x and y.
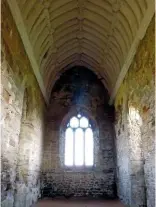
{"type": "Point", "coordinates": [78, 203]}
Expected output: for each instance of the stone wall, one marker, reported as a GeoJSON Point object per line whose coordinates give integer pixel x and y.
{"type": "Point", "coordinates": [22, 108]}
{"type": "Point", "coordinates": [135, 128]}
{"type": "Point", "coordinates": [79, 90]}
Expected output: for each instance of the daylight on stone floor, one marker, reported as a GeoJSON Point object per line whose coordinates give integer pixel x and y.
{"type": "Point", "coordinates": [77, 103]}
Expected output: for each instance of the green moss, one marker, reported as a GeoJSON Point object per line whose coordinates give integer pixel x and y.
{"type": "Point", "coordinates": [141, 72]}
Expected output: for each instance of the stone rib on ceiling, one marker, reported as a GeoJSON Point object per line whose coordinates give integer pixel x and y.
{"type": "Point", "coordinates": [96, 34]}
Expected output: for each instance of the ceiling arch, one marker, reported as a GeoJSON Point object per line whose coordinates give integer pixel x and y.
{"type": "Point", "coordinates": [102, 35]}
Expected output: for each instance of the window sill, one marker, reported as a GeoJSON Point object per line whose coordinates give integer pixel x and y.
{"type": "Point", "coordinates": [79, 168]}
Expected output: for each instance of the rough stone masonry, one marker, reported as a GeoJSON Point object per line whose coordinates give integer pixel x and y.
{"type": "Point", "coordinates": [32, 137]}
{"type": "Point", "coordinates": [22, 109]}
{"type": "Point", "coordinates": [135, 122]}
{"type": "Point", "coordinates": [79, 90]}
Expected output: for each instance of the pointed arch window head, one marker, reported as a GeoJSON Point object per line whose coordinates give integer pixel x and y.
{"type": "Point", "coordinates": [79, 144]}
{"type": "Point", "coordinates": [84, 122]}
{"type": "Point", "coordinates": [74, 122]}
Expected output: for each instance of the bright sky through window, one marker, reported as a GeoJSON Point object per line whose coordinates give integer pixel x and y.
{"type": "Point", "coordinates": [79, 142]}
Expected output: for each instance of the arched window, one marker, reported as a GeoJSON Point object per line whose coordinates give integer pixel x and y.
{"type": "Point", "coordinates": [79, 142]}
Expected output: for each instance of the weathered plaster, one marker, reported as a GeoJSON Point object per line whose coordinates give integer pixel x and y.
{"type": "Point", "coordinates": [135, 127]}
{"type": "Point", "coordinates": [22, 107]}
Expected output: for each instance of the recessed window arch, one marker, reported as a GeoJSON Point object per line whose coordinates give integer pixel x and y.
{"type": "Point", "coordinates": [79, 142]}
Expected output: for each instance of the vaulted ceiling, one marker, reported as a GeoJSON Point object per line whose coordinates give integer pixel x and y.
{"type": "Point", "coordinates": [101, 35]}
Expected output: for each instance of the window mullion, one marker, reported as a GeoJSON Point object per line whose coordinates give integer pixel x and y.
{"type": "Point", "coordinates": [74, 147]}
{"type": "Point", "coordinates": [75, 128]}
{"type": "Point", "coordinates": [84, 147]}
